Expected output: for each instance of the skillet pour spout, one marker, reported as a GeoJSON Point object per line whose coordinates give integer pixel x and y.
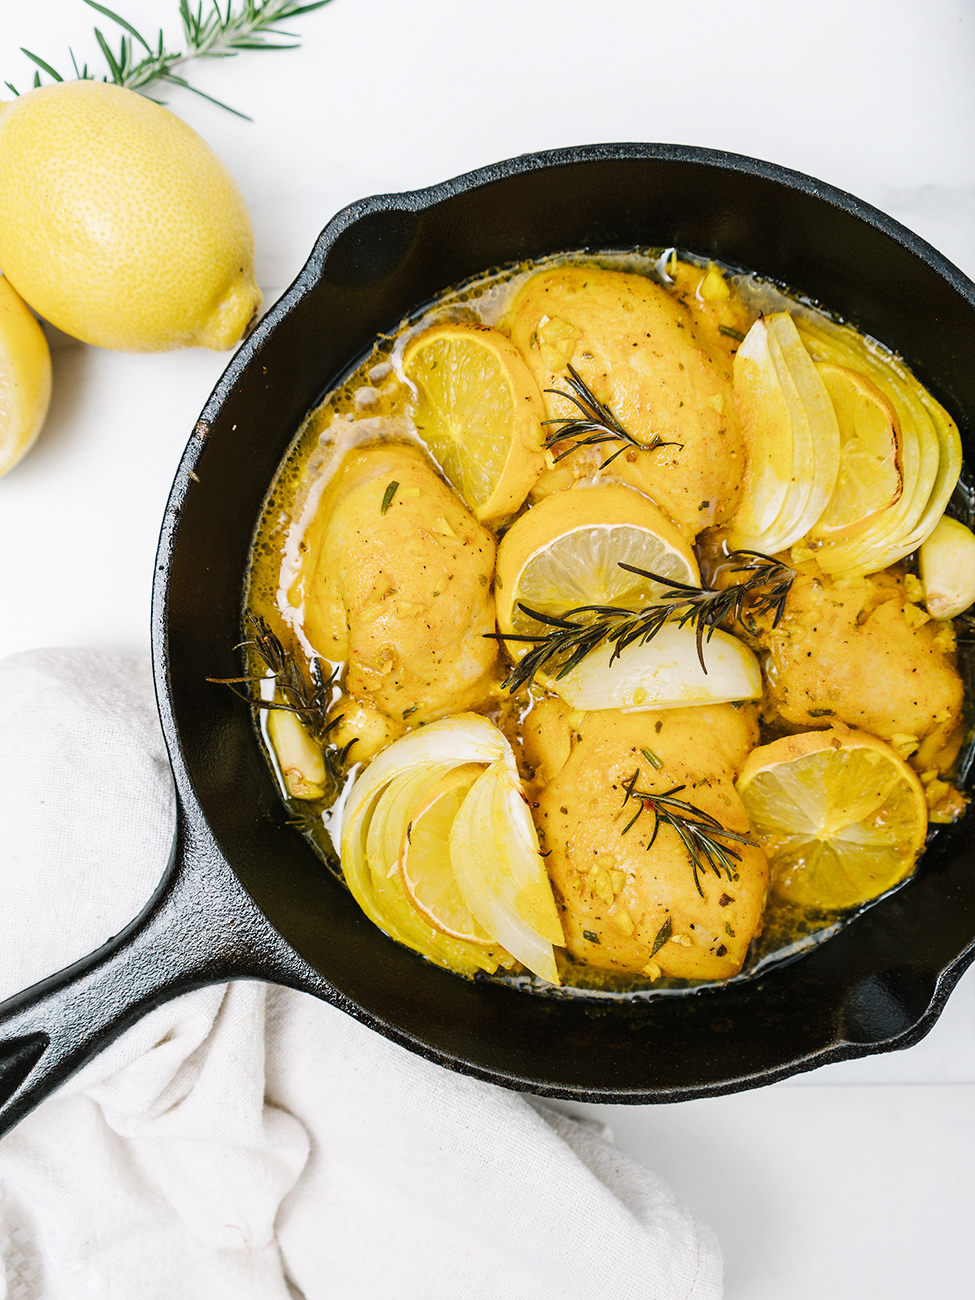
{"type": "Point", "coordinates": [246, 897]}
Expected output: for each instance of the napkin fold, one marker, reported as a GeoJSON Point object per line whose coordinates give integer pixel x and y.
{"type": "Point", "coordinates": [246, 1140]}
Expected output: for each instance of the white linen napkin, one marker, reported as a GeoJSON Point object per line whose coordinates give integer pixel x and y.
{"type": "Point", "coordinates": [246, 1140]}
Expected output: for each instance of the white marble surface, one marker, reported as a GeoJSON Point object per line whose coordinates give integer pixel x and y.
{"type": "Point", "coordinates": [852, 1181]}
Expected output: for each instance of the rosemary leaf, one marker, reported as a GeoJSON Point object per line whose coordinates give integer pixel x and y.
{"type": "Point", "coordinates": [41, 64]}
{"type": "Point", "coordinates": [388, 495]}
{"type": "Point", "coordinates": [699, 832]}
{"type": "Point", "coordinates": [118, 76]}
{"type": "Point", "coordinates": [663, 934]}
{"type": "Point", "coordinates": [214, 34]}
{"type": "Point", "coordinates": [579, 631]}
{"type": "Point", "coordinates": [311, 702]}
{"type": "Point", "coordinates": [122, 23]}
{"type": "Point", "coordinates": [597, 425]}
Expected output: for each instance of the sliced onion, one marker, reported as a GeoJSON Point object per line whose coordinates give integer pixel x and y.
{"type": "Point", "coordinates": [380, 807]}
{"type": "Point", "coordinates": [384, 900]}
{"type": "Point", "coordinates": [767, 429]}
{"type": "Point", "coordinates": [664, 673]}
{"type": "Point", "coordinates": [784, 401]}
{"type": "Point", "coordinates": [518, 840]}
{"type": "Point", "coordinates": [465, 738]}
{"type": "Point", "coordinates": [816, 430]}
{"type": "Point", "coordinates": [930, 448]}
{"type": "Point", "coordinates": [501, 878]}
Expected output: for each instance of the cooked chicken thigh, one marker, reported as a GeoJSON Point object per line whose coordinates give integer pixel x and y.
{"type": "Point", "coordinates": [857, 649]}
{"type": "Point", "coordinates": [616, 891]}
{"type": "Point", "coordinates": [637, 349]}
{"type": "Point", "coordinates": [397, 580]}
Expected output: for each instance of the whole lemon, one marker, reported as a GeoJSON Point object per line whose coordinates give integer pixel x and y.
{"type": "Point", "coordinates": [119, 224]}
{"type": "Point", "coordinates": [25, 377]}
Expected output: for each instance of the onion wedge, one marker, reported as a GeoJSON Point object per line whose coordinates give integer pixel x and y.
{"type": "Point", "coordinates": [930, 450]}
{"type": "Point", "coordinates": [664, 673]}
{"type": "Point", "coordinates": [464, 738]}
{"type": "Point", "coordinates": [492, 837]}
{"type": "Point", "coordinates": [791, 433]}
{"type": "Point", "coordinates": [501, 874]}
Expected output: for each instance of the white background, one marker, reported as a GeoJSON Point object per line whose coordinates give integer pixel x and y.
{"type": "Point", "coordinates": [852, 1182]}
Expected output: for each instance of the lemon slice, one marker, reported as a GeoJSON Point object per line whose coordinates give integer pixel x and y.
{"type": "Point", "coordinates": [425, 858]}
{"type": "Point", "coordinates": [479, 412]}
{"type": "Point", "coordinates": [841, 817]}
{"type": "Point", "coordinates": [566, 551]}
{"type": "Point", "coordinates": [384, 836]}
{"type": "Point", "coordinates": [25, 377]}
{"type": "Point", "coordinates": [870, 478]}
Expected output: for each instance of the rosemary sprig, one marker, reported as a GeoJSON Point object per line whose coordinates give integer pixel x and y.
{"type": "Point", "coordinates": [214, 34]}
{"type": "Point", "coordinates": [310, 701]}
{"type": "Point", "coordinates": [579, 631]}
{"type": "Point", "coordinates": [699, 832]}
{"type": "Point", "coordinates": [597, 421]}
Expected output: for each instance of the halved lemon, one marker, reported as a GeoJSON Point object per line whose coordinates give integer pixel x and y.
{"type": "Point", "coordinates": [566, 551]}
{"type": "Point", "coordinates": [841, 817]}
{"type": "Point", "coordinates": [25, 377]}
{"type": "Point", "coordinates": [425, 857]}
{"type": "Point", "coordinates": [479, 412]}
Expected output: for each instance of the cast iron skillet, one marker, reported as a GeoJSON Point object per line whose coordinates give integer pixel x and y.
{"type": "Point", "coordinates": [245, 897]}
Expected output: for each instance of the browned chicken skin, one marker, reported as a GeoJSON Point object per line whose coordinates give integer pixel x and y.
{"type": "Point", "coordinates": [614, 895]}
{"type": "Point", "coordinates": [858, 650]}
{"type": "Point", "coordinates": [397, 580]}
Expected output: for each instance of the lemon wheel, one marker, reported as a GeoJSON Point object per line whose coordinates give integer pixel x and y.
{"type": "Point", "coordinates": [841, 817]}
{"type": "Point", "coordinates": [479, 412]}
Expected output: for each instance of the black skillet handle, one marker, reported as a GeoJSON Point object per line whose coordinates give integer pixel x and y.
{"type": "Point", "coordinates": [201, 927]}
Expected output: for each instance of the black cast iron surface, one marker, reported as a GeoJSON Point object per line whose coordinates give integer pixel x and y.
{"type": "Point", "coordinates": [245, 897]}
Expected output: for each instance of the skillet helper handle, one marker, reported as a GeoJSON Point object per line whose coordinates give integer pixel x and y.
{"type": "Point", "coordinates": [201, 927]}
